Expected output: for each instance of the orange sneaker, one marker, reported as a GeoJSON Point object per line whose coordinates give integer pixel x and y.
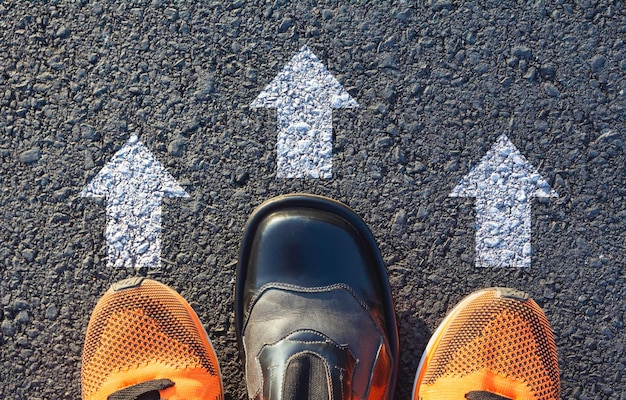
{"type": "Point", "coordinates": [495, 345]}
{"type": "Point", "coordinates": [144, 341]}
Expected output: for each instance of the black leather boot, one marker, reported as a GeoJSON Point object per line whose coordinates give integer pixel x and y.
{"type": "Point", "coordinates": [313, 307]}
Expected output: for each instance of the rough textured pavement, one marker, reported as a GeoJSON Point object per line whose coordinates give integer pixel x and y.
{"type": "Point", "coordinates": [437, 83]}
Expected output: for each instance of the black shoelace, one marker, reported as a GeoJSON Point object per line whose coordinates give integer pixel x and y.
{"type": "Point", "coordinates": [142, 391]}
{"type": "Point", "coordinates": [481, 395]}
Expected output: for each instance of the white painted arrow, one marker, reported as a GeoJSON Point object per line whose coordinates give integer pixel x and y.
{"type": "Point", "coordinates": [304, 94]}
{"type": "Point", "coordinates": [134, 183]}
{"type": "Point", "coordinates": [503, 183]}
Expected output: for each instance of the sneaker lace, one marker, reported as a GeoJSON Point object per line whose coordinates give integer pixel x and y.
{"type": "Point", "coordinates": [142, 391]}
{"type": "Point", "coordinates": [482, 395]}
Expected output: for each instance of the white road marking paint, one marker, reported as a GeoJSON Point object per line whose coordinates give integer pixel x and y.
{"type": "Point", "coordinates": [304, 93]}
{"type": "Point", "coordinates": [503, 183]}
{"type": "Point", "coordinates": [134, 183]}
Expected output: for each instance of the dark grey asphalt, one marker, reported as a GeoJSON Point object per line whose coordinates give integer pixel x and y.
{"type": "Point", "coordinates": [437, 81]}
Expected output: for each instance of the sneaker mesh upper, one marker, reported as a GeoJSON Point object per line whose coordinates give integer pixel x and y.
{"type": "Point", "coordinates": [506, 336]}
{"type": "Point", "coordinates": [148, 324]}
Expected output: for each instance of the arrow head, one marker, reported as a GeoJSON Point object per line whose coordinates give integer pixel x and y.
{"type": "Point", "coordinates": [304, 80]}
{"type": "Point", "coordinates": [133, 170]}
{"type": "Point", "coordinates": [502, 171]}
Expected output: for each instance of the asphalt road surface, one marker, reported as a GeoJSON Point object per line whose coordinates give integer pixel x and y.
{"type": "Point", "coordinates": [438, 82]}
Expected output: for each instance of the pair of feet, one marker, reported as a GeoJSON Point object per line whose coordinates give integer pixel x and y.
{"type": "Point", "coordinates": [314, 320]}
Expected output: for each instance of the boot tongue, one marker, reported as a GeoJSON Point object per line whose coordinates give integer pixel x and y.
{"type": "Point", "coordinates": [306, 365]}
{"type": "Point", "coordinates": [306, 379]}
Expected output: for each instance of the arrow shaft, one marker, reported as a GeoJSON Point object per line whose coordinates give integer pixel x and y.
{"type": "Point", "coordinates": [133, 233]}
{"type": "Point", "coordinates": [304, 146]}
{"type": "Point", "coordinates": [502, 233]}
